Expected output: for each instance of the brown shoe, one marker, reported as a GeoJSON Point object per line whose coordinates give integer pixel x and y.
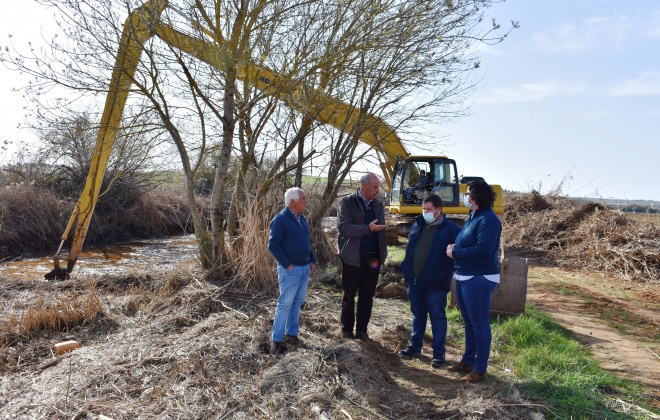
{"type": "Point", "coordinates": [460, 367]}
{"type": "Point", "coordinates": [473, 377]}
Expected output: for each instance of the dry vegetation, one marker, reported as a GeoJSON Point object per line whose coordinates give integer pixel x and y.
{"type": "Point", "coordinates": [181, 345]}
{"type": "Point", "coordinates": [32, 219]}
{"type": "Point", "coordinates": [557, 230]}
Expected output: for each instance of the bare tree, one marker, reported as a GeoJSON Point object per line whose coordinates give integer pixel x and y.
{"type": "Point", "coordinates": [363, 65]}
{"type": "Point", "coordinates": [261, 78]}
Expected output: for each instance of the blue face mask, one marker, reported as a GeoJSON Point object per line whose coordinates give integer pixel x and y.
{"type": "Point", "coordinates": [466, 201]}
{"type": "Point", "coordinates": [429, 217]}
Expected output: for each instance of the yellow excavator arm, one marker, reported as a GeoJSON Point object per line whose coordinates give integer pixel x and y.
{"type": "Point", "coordinates": [145, 23]}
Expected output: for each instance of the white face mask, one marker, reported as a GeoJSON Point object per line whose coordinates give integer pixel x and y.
{"type": "Point", "coordinates": [429, 217]}
{"type": "Point", "coordinates": [466, 201]}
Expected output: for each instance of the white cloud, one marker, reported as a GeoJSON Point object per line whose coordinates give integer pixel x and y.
{"type": "Point", "coordinates": [648, 83]}
{"type": "Point", "coordinates": [526, 92]}
{"type": "Point", "coordinates": [588, 33]}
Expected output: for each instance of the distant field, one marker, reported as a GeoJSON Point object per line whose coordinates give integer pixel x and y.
{"type": "Point", "coordinates": [644, 217]}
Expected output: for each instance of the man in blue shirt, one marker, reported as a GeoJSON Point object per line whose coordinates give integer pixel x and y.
{"type": "Point", "coordinates": [289, 243]}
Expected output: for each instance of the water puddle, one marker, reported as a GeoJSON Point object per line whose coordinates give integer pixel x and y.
{"type": "Point", "coordinates": [147, 256]}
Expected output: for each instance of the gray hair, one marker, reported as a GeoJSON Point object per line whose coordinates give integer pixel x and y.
{"type": "Point", "coordinates": [292, 194]}
{"type": "Point", "coordinates": [366, 178]}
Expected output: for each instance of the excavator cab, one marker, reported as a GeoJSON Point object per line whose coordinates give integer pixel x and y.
{"type": "Point", "coordinates": [415, 177]}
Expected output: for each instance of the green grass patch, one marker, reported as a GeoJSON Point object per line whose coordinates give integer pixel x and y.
{"type": "Point", "coordinates": [396, 254]}
{"type": "Point", "coordinates": [555, 368]}
{"type": "Point", "coordinates": [616, 316]}
{"type": "Point", "coordinates": [566, 291]}
{"type": "Point", "coordinates": [455, 326]}
{"type": "Point", "coordinates": [552, 367]}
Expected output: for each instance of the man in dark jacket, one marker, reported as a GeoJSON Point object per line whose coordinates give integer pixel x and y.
{"type": "Point", "coordinates": [362, 248]}
{"type": "Point", "coordinates": [289, 242]}
{"type": "Point", "coordinates": [428, 271]}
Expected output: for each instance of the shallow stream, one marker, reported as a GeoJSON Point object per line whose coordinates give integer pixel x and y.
{"type": "Point", "coordinates": [153, 255]}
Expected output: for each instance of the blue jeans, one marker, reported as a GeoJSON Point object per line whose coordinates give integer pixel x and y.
{"type": "Point", "coordinates": [473, 297]}
{"type": "Point", "coordinates": [428, 303]}
{"type": "Point", "coordinates": [293, 289]}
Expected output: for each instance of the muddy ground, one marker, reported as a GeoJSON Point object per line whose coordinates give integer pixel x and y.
{"type": "Point", "coordinates": [170, 344]}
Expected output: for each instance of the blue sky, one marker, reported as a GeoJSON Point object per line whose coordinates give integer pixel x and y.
{"type": "Point", "coordinates": [571, 96]}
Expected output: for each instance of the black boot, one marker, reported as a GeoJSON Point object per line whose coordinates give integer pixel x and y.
{"type": "Point", "coordinates": [275, 348]}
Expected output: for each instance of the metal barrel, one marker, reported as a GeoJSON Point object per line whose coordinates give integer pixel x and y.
{"type": "Point", "coordinates": [510, 295]}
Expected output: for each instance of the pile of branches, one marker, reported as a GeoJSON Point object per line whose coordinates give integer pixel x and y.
{"type": "Point", "coordinates": [553, 229]}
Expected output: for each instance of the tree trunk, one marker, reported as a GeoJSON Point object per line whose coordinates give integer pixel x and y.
{"type": "Point", "coordinates": [204, 249]}
{"type": "Point", "coordinates": [218, 192]}
{"type": "Point", "coordinates": [299, 170]}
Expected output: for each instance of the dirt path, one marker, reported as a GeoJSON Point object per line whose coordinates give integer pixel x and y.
{"type": "Point", "coordinates": [619, 321]}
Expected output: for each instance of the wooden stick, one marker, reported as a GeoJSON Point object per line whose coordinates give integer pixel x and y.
{"type": "Point", "coordinates": [636, 407]}
{"type": "Point", "coordinates": [529, 405]}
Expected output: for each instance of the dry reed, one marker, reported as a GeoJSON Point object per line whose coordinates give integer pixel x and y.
{"type": "Point", "coordinates": [251, 263]}
{"type": "Point", "coordinates": [30, 219]}
{"type": "Point", "coordinates": [70, 311]}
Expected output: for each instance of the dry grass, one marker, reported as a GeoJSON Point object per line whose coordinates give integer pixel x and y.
{"type": "Point", "coordinates": [32, 220]}
{"type": "Point", "coordinates": [159, 212]}
{"type": "Point", "coordinates": [197, 349]}
{"type": "Point", "coordinates": [645, 218]}
{"type": "Point", "coordinates": [70, 311]}
{"type": "Point", "coordinates": [556, 230]}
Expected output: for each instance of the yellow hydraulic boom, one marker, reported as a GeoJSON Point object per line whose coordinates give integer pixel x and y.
{"type": "Point", "coordinates": [145, 23]}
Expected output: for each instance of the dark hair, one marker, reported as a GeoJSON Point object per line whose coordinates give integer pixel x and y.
{"type": "Point", "coordinates": [482, 193]}
{"type": "Point", "coordinates": [434, 199]}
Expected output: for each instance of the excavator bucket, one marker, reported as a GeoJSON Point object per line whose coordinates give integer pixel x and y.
{"type": "Point", "coordinates": [57, 273]}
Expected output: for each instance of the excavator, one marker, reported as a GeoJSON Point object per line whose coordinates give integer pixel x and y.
{"type": "Point", "coordinates": [401, 171]}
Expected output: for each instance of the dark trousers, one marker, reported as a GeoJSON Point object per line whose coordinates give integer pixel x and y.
{"type": "Point", "coordinates": [362, 281]}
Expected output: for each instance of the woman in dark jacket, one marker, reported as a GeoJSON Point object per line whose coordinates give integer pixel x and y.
{"type": "Point", "coordinates": [477, 273]}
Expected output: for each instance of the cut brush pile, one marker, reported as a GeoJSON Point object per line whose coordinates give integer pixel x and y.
{"type": "Point", "coordinates": [559, 231]}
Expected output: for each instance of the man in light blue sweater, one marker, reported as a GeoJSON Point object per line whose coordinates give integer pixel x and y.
{"type": "Point", "coordinates": [289, 242]}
